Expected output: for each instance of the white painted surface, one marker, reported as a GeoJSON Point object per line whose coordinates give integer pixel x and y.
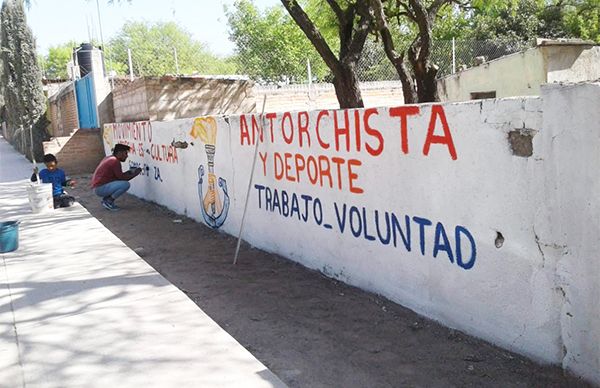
{"type": "Point", "coordinates": [573, 63]}
{"type": "Point", "coordinates": [523, 73]}
{"type": "Point", "coordinates": [512, 295]}
{"type": "Point", "coordinates": [519, 74]}
{"type": "Point", "coordinates": [88, 312]}
{"type": "Point", "coordinates": [572, 122]}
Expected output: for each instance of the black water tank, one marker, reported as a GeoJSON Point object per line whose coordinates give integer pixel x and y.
{"type": "Point", "coordinates": [84, 58]}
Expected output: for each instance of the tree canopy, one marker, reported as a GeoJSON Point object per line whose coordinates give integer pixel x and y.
{"type": "Point", "coordinates": [273, 45]}
{"type": "Point", "coordinates": [269, 45]}
{"type": "Point", "coordinates": [408, 29]}
{"type": "Point", "coordinates": [525, 20]}
{"type": "Point", "coordinates": [352, 22]}
{"type": "Point", "coordinates": [162, 48]}
{"type": "Point", "coordinates": [54, 64]}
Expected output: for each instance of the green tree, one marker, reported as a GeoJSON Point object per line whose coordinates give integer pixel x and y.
{"type": "Point", "coordinates": [582, 19]}
{"type": "Point", "coordinates": [54, 64]}
{"type": "Point", "coordinates": [572, 18]}
{"type": "Point", "coordinates": [525, 20]}
{"type": "Point", "coordinates": [516, 21]}
{"type": "Point", "coordinates": [25, 103]}
{"type": "Point", "coordinates": [414, 63]}
{"type": "Point", "coordinates": [162, 48]}
{"type": "Point", "coordinates": [269, 45]}
{"type": "Point", "coordinates": [352, 21]}
{"type": "Point", "coordinates": [406, 28]}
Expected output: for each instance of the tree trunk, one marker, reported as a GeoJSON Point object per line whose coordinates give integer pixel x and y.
{"type": "Point", "coordinates": [347, 87]}
{"type": "Point", "coordinates": [352, 40]}
{"type": "Point", "coordinates": [408, 84]}
{"type": "Point", "coordinates": [427, 86]}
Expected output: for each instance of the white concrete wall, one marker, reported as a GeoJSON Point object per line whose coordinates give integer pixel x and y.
{"type": "Point", "coordinates": [101, 87]}
{"type": "Point", "coordinates": [519, 74]}
{"type": "Point", "coordinates": [570, 231]}
{"type": "Point", "coordinates": [450, 186]}
{"type": "Point", "coordinates": [572, 63]}
{"type": "Point", "coordinates": [523, 73]}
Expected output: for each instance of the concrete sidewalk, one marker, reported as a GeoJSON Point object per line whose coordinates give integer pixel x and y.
{"type": "Point", "coordinates": [80, 309]}
{"type": "Point", "coordinates": [13, 165]}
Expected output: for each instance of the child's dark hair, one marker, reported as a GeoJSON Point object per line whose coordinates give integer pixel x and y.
{"type": "Point", "coordinates": [120, 147]}
{"type": "Point", "coordinates": [50, 158]}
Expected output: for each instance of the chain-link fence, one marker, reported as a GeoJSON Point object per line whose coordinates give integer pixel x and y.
{"type": "Point", "coordinates": [450, 56]}
{"type": "Point", "coordinates": [297, 67]}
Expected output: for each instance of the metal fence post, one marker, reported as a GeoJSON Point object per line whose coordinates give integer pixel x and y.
{"type": "Point", "coordinates": [130, 64]}
{"type": "Point", "coordinates": [176, 61]}
{"type": "Point", "coordinates": [309, 76]}
{"type": "Point", "coordinates": [453, 56]}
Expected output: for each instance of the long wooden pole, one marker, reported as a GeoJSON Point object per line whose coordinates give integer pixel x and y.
{"type": "Point", "coordinates": [32, 154]}
{"type": "Point", "coordinates": [262, 120]}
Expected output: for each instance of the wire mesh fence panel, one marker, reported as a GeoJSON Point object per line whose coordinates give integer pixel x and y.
{"type": "Point", "coordinates": [296, 65]}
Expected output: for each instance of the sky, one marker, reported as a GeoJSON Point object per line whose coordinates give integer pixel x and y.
{"type": "Point", "coordinates": [54, 22]}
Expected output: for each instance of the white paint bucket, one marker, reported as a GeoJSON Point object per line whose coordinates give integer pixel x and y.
{"type": "Point", "coordinates": [40, 197]}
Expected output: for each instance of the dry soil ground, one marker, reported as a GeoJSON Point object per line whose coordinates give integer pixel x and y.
{"type": "Point", "coordinates": [310, 330]}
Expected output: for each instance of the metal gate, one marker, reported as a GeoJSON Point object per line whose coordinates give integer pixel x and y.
{"type": "Point", "coordinates": [86, 102]}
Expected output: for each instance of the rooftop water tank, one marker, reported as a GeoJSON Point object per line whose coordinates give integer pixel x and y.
{"type": "Point", "coordinates": [84, 58]}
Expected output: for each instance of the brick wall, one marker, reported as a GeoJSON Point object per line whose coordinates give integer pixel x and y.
{"type": "Point", "coordinates": [63, 111]}
{"type": "Point", "coordinates": [79, 153]}
{"type": "Point", "coordinates": [322, 96]}
{"type": "Point", "coordinates": [130, 102]}
{"type": "Point", "coordinates": [168, 98]}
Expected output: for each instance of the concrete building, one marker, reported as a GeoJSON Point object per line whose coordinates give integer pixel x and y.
{"type": "Point", "coordinates": [523, 73]}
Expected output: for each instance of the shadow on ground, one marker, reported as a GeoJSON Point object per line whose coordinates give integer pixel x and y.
{"type": "Point", "coordinates": [310, 330]}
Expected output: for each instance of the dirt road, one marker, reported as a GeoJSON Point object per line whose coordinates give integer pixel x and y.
{"type": "Point", "coordinates": [310, 330]}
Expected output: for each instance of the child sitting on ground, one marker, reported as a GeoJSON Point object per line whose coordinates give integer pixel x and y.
{"type": "Point", "coordinates": [56, 176]}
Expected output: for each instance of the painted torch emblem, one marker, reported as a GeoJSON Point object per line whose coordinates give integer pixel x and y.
{"type": "Point", "coordinates": [214, 211]}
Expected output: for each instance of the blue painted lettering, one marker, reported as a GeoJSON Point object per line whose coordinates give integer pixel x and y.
{"type": "Point", "coordinates": [422, 222]}
{"type": "Point", "coordinates": [440, 233]}
{"type": "Point", "coordinates": [459, 258]}
{"type": "Point", "coordinates": [384, 240]}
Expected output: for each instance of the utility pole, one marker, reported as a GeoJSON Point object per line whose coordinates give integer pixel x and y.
{"type": "Point", "coordinates": [104, 50]}
{"type": "Point", "coordinates": [100, 24]}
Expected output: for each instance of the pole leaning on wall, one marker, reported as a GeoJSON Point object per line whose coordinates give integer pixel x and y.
{"type": "Point", "coordinates": [262, 115]}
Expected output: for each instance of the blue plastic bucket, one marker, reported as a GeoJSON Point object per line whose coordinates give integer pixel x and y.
{"type": "Point", "coordinates": [9, 236]}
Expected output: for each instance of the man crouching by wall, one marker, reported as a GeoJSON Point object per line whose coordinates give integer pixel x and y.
{"type": "Point", "coordinates": [109, 181]}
